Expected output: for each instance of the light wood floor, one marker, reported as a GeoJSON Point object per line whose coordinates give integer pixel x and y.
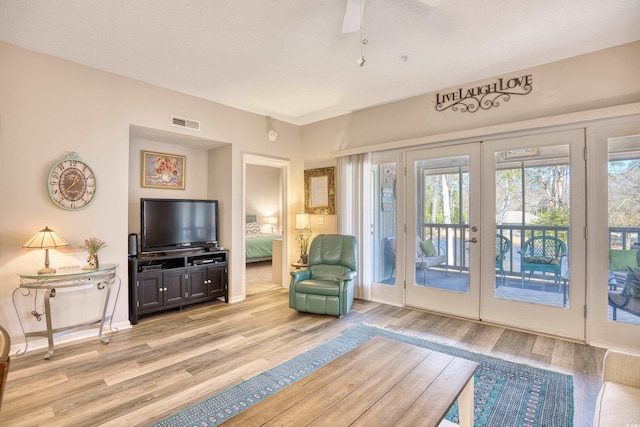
{"type": "Point", "coordinates": [173, 360]}
{"type": "Point", "coordinates": [259, 277]}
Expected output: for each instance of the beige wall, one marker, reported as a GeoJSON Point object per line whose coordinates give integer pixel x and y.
{"type": "Point", "coordinates": [601, 79]}
{"type": "Point", "coordinates": [49, 107]}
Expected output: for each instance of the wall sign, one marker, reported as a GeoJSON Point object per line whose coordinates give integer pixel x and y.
{"type": "Point", "coordinates": [484, 97]}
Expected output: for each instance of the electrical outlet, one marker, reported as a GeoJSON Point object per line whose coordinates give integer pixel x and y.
{"type": "Point", "coordinates": [321, 220]}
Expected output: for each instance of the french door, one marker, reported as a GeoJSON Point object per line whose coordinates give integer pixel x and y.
{"type": "Point", "coordinates": [495, 231]}
{"type": "Point", "coordinates": [442, 257]}
{"type": "Point", "coordinates": [534, 199]}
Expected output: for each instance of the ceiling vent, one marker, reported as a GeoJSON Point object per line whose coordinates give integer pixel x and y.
{"type": "Point", "coordinates": [185, 123]}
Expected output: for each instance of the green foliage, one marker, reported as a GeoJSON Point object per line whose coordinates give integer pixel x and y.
{"type": "Point", "coordinates": [556, 216]}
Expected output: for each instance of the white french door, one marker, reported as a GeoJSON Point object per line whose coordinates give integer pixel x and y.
{"type": "Point", "coordinates": [614, 184]}
{"type": "Point", "coordinates": [496, 231]}
{"type": "Point", "coordinates": [442, 256]}
{"type": "Point", "coordinates": [534, 198]}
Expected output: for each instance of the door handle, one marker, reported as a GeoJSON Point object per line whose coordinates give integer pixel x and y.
{"type": "Point", "coordinates": [473, 240]}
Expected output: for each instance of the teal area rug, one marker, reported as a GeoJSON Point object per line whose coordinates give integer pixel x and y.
{"type": "Point", "coordinates": [506, 393]}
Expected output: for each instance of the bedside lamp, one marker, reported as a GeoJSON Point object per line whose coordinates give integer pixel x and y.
{"type": "Point", "coordinates": [272, 220]}
{"type": "Point", "coordinates": [46, 239]}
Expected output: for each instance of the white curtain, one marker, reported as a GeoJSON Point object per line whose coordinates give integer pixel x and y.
{"type": "Point", "coordinates": [354, 213]}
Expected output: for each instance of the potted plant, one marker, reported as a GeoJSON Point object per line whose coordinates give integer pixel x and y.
{"type": "Point", "coordinates": [303, 241]}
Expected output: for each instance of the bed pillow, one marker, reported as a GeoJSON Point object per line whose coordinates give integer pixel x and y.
{"type": "Point", "coordinates": [253, 228]}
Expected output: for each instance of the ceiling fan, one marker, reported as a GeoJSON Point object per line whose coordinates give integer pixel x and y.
{"type": "Point", "coordinates": [355, 9]}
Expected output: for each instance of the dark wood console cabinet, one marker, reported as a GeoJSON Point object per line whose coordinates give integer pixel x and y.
{"type": "Point", "coordinates": [162, 282]}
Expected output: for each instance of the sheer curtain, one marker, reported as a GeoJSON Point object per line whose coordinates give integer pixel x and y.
{"type": "Point", "coordinates": [354, 213]}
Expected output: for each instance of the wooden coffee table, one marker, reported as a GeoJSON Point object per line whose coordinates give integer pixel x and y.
{"type": "Point", "coordinates": [381, 382]}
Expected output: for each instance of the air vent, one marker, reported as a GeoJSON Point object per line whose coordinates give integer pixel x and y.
{"type": "Point", "coordinates": [185, 123]}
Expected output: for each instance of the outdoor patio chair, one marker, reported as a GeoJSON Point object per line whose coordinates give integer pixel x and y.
{"type": "Point", "coordinates": [503, 247]}
{"type": "Point", "coordinates": [428, 255]}
{"type": "Point", "coordinates": [628, 298]}
{"type": "Point", "coordinates": [389, 244]}
{"type": "Point", "coordinates": [544, 254]}
{"type": "Point", "coordinates": [619, 261]}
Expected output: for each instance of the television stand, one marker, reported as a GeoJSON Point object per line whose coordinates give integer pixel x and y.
{"type": "Point", "coordinates": [159, 282]}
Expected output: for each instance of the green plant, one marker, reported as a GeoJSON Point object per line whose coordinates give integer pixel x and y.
{"type": "Point", "coordinates": [303, 241]}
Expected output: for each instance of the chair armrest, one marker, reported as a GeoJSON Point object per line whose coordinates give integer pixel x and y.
{"type": "Point", "coordinates": [349, 275]}
{"type": "Point", "coordinates": [622, 368]}
{"type": "Point", "coordinates": [441, 251]}
{"type": "Point", "coordinates": [300, 275]}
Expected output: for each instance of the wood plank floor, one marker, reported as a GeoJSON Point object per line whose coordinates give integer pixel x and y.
{"type": "Point", "coordinates": [173, 360]}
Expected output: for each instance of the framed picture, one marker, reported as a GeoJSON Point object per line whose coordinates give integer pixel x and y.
{"type": "Point", "coordinates": [319, 191]}
{"type": "Point", "coordinates": [162, 170]}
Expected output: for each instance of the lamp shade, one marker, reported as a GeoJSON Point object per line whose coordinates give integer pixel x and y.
{"type": "Point", "coordinates": [272, 220]}
{"type": "Point", "coordinates": [302, 221]}
{"type": "Point", "coordinates": [45, 239]}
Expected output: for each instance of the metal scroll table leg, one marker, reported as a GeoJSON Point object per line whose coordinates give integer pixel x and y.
{"type": "Point", "coordinates": [105, 284]}
{"type": "Point", "coordinates": [102, 285]}
{"type": "Point", "coordinates": [50, 293]}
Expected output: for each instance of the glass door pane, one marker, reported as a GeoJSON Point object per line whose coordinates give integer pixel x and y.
{"type": "Point", "coordinates": [384, 223]}
{"type": "Point", "coordinates": [443, 211]}
{"type": "Point", "coordinates": [623, 170]}
{"type": "Point", "coordinates": [532, 224]}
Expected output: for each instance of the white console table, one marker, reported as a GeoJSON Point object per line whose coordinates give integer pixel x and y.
{"type": "Point", "coordinates": [103, 279]}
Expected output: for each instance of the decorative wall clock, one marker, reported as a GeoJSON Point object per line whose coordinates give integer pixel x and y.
{"type": "Point", "coordinates": [71, 183]}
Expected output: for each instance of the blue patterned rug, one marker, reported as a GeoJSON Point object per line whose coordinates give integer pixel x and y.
{"type": "Point", "coordinates": [506, 393]}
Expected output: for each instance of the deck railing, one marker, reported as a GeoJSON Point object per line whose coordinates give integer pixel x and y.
{"type": "Point", "coordinates": [454, 239]}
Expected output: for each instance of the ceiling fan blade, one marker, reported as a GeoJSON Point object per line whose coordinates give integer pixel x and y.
{"type": "Point", "coordinates": [353, 15]}
{"type": "Point", "coordinates": [432, 3]}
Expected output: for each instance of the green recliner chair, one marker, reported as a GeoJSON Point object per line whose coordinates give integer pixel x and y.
{"type": "Point", "coordinates": [326, 286]}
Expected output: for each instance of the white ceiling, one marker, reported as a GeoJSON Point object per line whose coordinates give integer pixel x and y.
{"type": "Point", "coordinates": [289, 59]}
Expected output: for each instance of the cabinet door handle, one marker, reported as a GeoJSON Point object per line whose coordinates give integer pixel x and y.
{"type": "Point", "coordinates": [161, 289]}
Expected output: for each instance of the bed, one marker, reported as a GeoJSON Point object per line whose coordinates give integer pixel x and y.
{"type": "Point", "coordinates": [258, 244]}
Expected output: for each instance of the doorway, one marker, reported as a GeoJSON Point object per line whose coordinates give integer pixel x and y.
{"type": "Point", "coordinates": [265, 223]}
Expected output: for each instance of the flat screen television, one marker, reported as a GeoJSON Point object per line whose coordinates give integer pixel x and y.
{"type": "Point", "coordinates": [170, 224]}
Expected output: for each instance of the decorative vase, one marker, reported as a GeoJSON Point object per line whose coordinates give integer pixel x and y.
{"type": "Point", "coordinates": [93, 262]}
{"type": "Point", "coordinates": [304, 258]}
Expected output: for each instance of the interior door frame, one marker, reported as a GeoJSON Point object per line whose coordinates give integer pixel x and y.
{"type": "Point", "coordinates": [285, 166]}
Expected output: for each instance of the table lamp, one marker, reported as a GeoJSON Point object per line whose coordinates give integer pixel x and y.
{"type": "Point", "coordinates": [302, 221]}
{"type": "Point", "coordinates": [272, 220]}
{"type": "Point", "coordinates": [46, 239]}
